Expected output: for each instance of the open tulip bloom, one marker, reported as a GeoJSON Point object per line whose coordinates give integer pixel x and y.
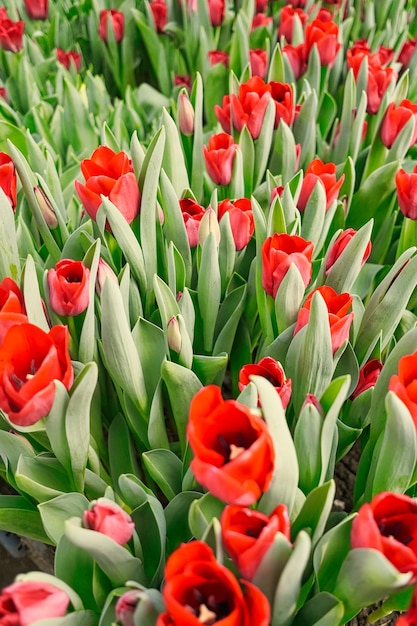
{"type": "Point", "coordinates": [208, 309]}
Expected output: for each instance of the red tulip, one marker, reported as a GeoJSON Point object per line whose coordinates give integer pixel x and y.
{"type": "Point", "coordinates": [396, 117]}
{"type": "Point", "coordinates": [296, 59]}
{"type": "Point", "coordinates": [340, 244]}
{"type": "Point", "coordinates": [241, 219]}
{"type": "Point", "coordinates": [182, 80]}
{"type": "Point", "coordinates": [379, 77]}
{"type": "Point", "coordinates": [117, 24]}
{"type": "Point", "coordinates": [368, 375]}
{"type": "Point", "coordinates": [261, 6]}
{"type": "Point", "coordinates": [192, 213]}
{"type": "Point", "coordinates": [110, 519]}
{"type": "Point", "coordinates": [218, 56]}
{"type": "Point", "coordinates": [30, 361]}
{"type": "Point", "coordinates": [199, 590]}
{"type": "Point", "coordinates": [68, 58]}
{"type": "Point", "coordinates": [233, 450]}
{"type": "Point", "coordinates": [216, 11]}
{"type": "Point", "coordinates": [409, 618]}
{"type": "Point", "coordinates": [283, 97]}
{"type": "Point", "coordinates": [11, 33]}
{"type": "Point", "coordinates": [68, 286]}
{"type": "Point", "coordinates": [261, 20]}
{"type": "Point", "coordinates": [12, 306]}
{"type": "Point", "coordinates": [279, 252]}
{"type": "Point", "coordinates": [273, 371]}
{"type": "Point", "coordinates": [404, 384]}
{"type": "Point", "coordinates": [8, 178]}
{"type": "Point", "coordinates": [159, 11]}
{"type": "Point", "coordinates": [36, 9]}
{"type": "Point", "coordinates": [111, 175]}
{"type": "Point", "coordinates": [258, 60]}
{"type": "Point", "coordinates": [286, 21]}
{"type": "Point", "coordinates": [248, 534]}
{"type": "Point", "coordinates": [406, 184]}
{"type": "Point", "coordinates": [326, 174]}
{"type": "Point", "coordinates": [126, 606]}
{"type": "Point", "coordinates": [325, 36]}
{"type": "Point", "coordinates": [27, 601]}
{"type": "Point", "coordinates": [219, 156]}
{"type": "Point", "coordinates": [389, 524]}
{"type": "Point", "coordinates": [247, 108]}
{"type": "Point", "coordinates": [339, 318]}
{"type": "Point", "coordinates": [407, 52]}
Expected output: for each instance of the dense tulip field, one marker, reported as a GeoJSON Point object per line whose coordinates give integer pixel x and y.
{"type": "Point", "coordinates": [208, 297]}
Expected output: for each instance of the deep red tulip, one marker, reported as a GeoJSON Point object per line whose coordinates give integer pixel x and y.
{"type": "Point", "coordinates": [340, 244]}
{"type": "Point", "coordinates": [110, 174]}
{"type": "Point", "coordinates": [326, 174]}
{"type": "Point", "coordinates": [368, 375]}
{"type": "Point", "coordinates": [296, 59]}
{"type": "Point", "coordinates": [160, 12]}
{"type": "Point", "coordinates": [192, 213]}
{"type": "Point", "coordinates": [379, 77]}
{"type": "Point", "coordinates": [338, 306]}
{"type": "Point", "coordinates": [260, 19]}
{"type": "Point", "coordinates": [404, 384]}
{"type": "Point", "coordinates": [27, 601]}
{"type": "Point", "coordinates": [389, 524]}
{"type": "Point", "coordinates": [11, 33]}
{"type": "Point", "coordinates": [258, 60]}
{"type": "Point", "coordinates": [241, 219]}
{"type": "Point", "coordinates": [218, 56]}
{"type": "Point", "coordinates": [110, 519]}
{"type": "Point", "coordinates": [219, 156]}
{"type": "Point", "coordinates": [325, 36]}
{"type": "Point", "coordinates": [117, 24]}
{"type": "Point", "coordinates": [30, 361]}
{"type": "Point", "coordinates": [273, 371]}
{"type": "Point", "coordinates": [261, 6]}
{"type": "Point", "coordinates": [283, 97]}
{"type": "Point", "coordinates": [248, 534]}
{"type": "Point", "coordinates": [407, 52]}
{"type": "Point", "coordinates": [68, 285]}
{"type": "Point", "coordinates": [199, 590]}
{"type": "Point", "coordinates": [286, 21]}
{"type": "Point", "coordinates": [216, 11]}
{"type": "Point", "coordinates": [182, 80]}
{"type": "Point", "coordinates": [406, 184]}
{"type": "Point", "coordinates": [247, 108]}
{"type": "Point", "coordinates": [233, 450]}
{"type": "Point", "coordinates": [68, 58]}
{"type": "Point", "coordinates": [279, 252]}
{"type": "Point", "coordinates": [8, 178]}
{"type": "Point", "coordinates": [36, 9]}
{"type": "Point", "coordinates": [396, 117]}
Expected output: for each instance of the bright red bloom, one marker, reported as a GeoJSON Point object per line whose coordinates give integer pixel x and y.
{"type": "Point", "coordinates": [379, 77]}
{"type": "Point", "coordinates": [340, 244]}
{"type": "Point", "coordinates": [198, 590]}
{"type": "Point", "coordinates": [110, 174]}
{"type": "Point", "coordinates": [283, 97]}
{"type": "Point", "coordinates": [36, 9]}
{"type": "Point", "coordinates": [12, 306]}
{"type": "Point", "coordinates": [216, 11]}
{"type": "Point", "coordinates": [273, 371]}
{"type": "Point", "coordinates": [339, 318]}
{"type": "Point", "coordinates": [27, 601]}
{"type": "Point", "coordinates": [407, 52]}
{"type": "Point", "coordinates": [192, 213]}
{"type": "Point", "coordinates": [389, 524]}
{"type": "Point", "coordinates": [8, 178]}
{"type": "Point", "coordinates": [368, 375]}
{"type": "Point", "coordinates": [258, 60]}
{"type": "Point", "coordinates": [182, 80]}
{"type": "Point", "coordinates": [30, 361]}
{"type": "Point", "coordinates": [404, 384]}
{"type": "Point", "coordinates": [325, 36]}
{"type": "Point", "coordinates": [233, 450]}
{"type": "Point", "coordinates": [110, 519]}
{"type": "Point", "coordinates": [11, 33]}
{"type": "Point", "coordinates": [396, 117]}
{"type": "Point", "coordinates": [326, 174]}
{"type": "Point", "coordinates": [261, 20]}
{"type": "Point", "coordinates": [159, 11]}
{"type": "Point", "coordinates": [66, 58]}
{"type": "Point", "coordinates": [261, 6]}
{"type": "Point", "coordinates": [286, 21]}
{"type": "Point", "coordinates": [68, 286]}
{"type": "Point", "coordinates": [247, 108]}
{"type": "Point", "coordinates": [248, 534]}
{"type": "Point", "coordinates": [406, 184]}
{"type": "Point", "coordinates": [296, 58]}
{"type": "Point", "coordinates": [279, 252]}
{"type": "Point", "coordinates": [219, 156]}
{"type": "Point", "coordinates": [117, 24]}
{"type": "Point", "coordinates": [241, 219]}
{"type": "Point", "coordinates": [218, 56]}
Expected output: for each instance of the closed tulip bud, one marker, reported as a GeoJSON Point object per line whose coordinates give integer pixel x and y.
{"type": "Point", "coordinates": [174, 335]}
{"type": "Point", "coordinates": [104, 271]}
{"type": "Point", "coordinates": [46, 207]}
{"type": "Point", "coordinates": [208, 224]}
{"type": "Point", "coordinates": [185, 114]}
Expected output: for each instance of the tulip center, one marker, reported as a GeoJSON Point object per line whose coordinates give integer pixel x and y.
{"type": "Point", "coordinates": [19, 382]}
{"type": "Point", "coordinates": [72, 279]}
{"type": "Point", "coordinates": [231, 451]}
{"type": "Point", "coordinates": [207, 609]}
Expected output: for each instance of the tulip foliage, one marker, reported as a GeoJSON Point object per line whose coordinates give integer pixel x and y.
{"type": "Point", "coordinates": [208, 273]}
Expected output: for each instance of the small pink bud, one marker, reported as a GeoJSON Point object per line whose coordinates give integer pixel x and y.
{"type": "Point", "coordinates": [104, 271]}
{"type": "Point", "coordinates": [46, 207]}
{"type": "Point", "coordinates": [185, 114]}
{"type": "Point", "coordinates": [174, 335]}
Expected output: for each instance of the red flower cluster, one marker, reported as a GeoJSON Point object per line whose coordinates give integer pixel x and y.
{"type": "Point", "coordinates": [273, 371]}
{"type": "Point", "coordinates": [11, 33]}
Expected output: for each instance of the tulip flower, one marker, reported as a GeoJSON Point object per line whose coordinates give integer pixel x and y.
{"type": "Point", "coordinates": [396, 117]}
{"type": "Point", "coordinates": [368, 375]}
{"type": "Point", "coordinates": [185, 114]}
{"type": "Point", "coordinates": [273, 371]}
{"type": "Point", "coordinates": [283, 97]}
{"type": "Point", "coordinates": [12, 306]}
{"type": "Point", "coordinates": [325, 173]}
{"type": "Point", "coordinates": [36, 9]}
{"type": "Point", "coordinates": [406, 184]}
{"type": "Point", "coordinates": [241, 219]}
{"type": "Point", "coordinates": [218, 56]}
{"type": "Point", "coordinates": [404, 383]}
{"type": "Point", "coordinates": [260, 20]}
{"type": "Point", "coordinates": [325, 36]}
{"type": "Point", "coordinates": [116, 19]}
{"type": "Point", "coordinates": [216, 11]}
{"type": "Point", "coordinates": [68, 285]}
{"type": "Point", "coordinates": [233, 450]}
{"type": "Point", "coordinates": [27, 601]}
{"type": "Point", "coordinates": [258, 60]}
{"type": "Point", "coordinates": [199, 590]}
{"type": "Point", "coordinates": [11, 33]}
{"type": "Point", "coordinates": [159, 11]}
{"type": "Point", "coordinates": [219, 156]}
{"type": "Point", "coordinates": [69, 58]}
{"type": "Point", "coordinates": [340, 244]}
{"type": "Point", "coordinates": [407, 52]}
{"type": "Point", "coordinates": [107, 517]}
{"type": "Point", "coordinates": [8, 178]}
{"type": "Point", "coordinates": [247, 108]}
{"type": "Point", "coordinates": [192, 213]}
{"type": "Point", "coordinates": [286, 21]}
{"type": "Point", "coordinates": [279, 252]}
{"type": "Point", "coordinates": [296, 59]}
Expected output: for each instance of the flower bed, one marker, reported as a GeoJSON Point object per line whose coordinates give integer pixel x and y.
{"type": "Point", "coordinates": [208, 299]}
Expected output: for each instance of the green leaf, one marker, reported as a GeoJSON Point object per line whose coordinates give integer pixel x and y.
{"type": "Point", "coordinates": [173, 161]}
{"type": "Point", "coordinates": [176, 515]}
{"type": "Point", "coordinates": [80, 618]}
{"type": "Point", "coordinates": [315, 511]}
{"type": "Point", "coordinates": [271, 566]}
{"type": "Point", "coordinates": [165, 469]}
{"type": "Point", "coordinates": [151, 528]}
{"type": "Point", "coordinates": [42, 477]}
{"type": "Point", "coordinates": [202, 512]}
{"type": "Point", "coordinates": [228, 319]}
{"type": "Point", "coordinates": [209, 289]}
{"type": "Point", "coordinates": [9, 253]}
{"type": "Point", "coordinates": [55, 512]}
{"type": "Point", "coordinates": [122, 454]}
{"type": "Point", "coordinates": [307, 436]}
{"type": "Point", "coordinates": [19, 516]}
{"type": "Point", "coordinates": [365, 201]}
{"type": "Point", "coordinates": [323, 609]}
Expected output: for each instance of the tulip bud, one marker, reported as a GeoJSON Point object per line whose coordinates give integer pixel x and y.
{"type": "Point", "coordinates": [126, 606]}
{"type": "Point", "coordinates": [208, 224]}
{"type": "Point", "coordinates": [104, 271]}
{"type": "Point", "coordinates": [46, 207]}
{"type": "Point", "coordinates": [174, 335]}
{"type": "Point", "coordinates": [185, 114]}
